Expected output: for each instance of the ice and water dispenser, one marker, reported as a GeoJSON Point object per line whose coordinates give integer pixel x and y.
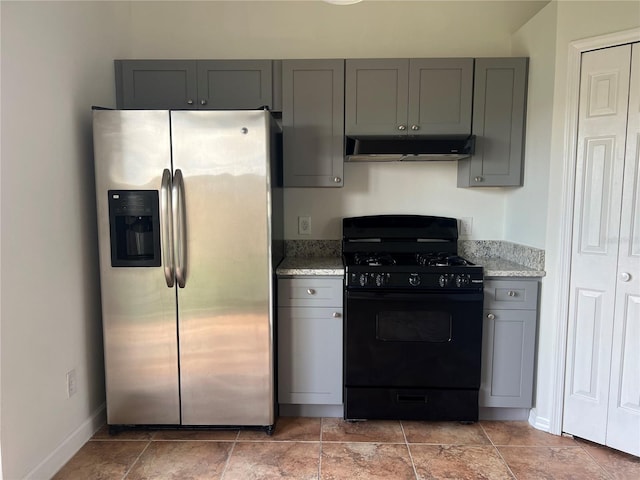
{"type": "Point", "coordinates": [134, 223]}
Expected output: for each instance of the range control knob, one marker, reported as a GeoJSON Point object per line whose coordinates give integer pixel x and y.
{"type": "Point", "coordinates": [462, 280]}
{"type": "Point", "coordinates": [381, 279]}
{"type": "Point", "coordinates": [363, 280]}
{"type": "Point", "coordinates": [443, 281]}
{"type": "Point", "coordinates": [414, 280]}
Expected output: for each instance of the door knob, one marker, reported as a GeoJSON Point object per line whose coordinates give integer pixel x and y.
{"type": "Point", "coordinates": [625, 276]}
{"type": "Point", "coordinates": [491, 316]}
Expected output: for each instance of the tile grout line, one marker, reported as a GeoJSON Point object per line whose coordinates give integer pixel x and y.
{"type": "Point", "coordinates": [126, 474]}
{"type": "Point", "coordinates": [606, 472]}
{"type": "Point", "coordinates": [226, 464]}
{"type": "Point", "coordinates": [498, 451]}
{"type": "Point", "coordinates": [321, 449]}
{"type": "Point", "coordinates": [406, 442]}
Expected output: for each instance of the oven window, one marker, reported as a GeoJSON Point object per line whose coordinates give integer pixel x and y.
{"type": "Point", "coordinates": [413, 326]}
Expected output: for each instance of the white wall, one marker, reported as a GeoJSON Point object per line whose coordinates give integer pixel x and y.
{"type": "Point", "coordinates": [575, 21]}
{"type": "Point", "coordinates": [526, 207]}
{"type": "Point", "coordinates": [56, 63]}
{"type": "Point", "coordinates": [369, 29]}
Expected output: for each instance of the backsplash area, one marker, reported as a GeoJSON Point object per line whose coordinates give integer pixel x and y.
{"type": "Point", "coordinates": [521, 254]}
{"type": "Point", "coordinates": [530, 257]}
{"type": "Point", "coordinates": [312, 248]}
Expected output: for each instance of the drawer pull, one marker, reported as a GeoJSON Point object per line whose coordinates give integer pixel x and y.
{"type": "Point", "coordinates": [336, 314]}
{"type": "Point", "coordinates": [311, 291]}
{"type": "Point", "coordinates": [511, 293]}
{"type": "Point", "coordinates": [491, 316]}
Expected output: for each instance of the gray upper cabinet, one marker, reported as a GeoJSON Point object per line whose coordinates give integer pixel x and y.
{"type": "Point", "coordinates": [499, 110]}
{"type": "Point", "coordinates": [156, 84]}
{"type": "Point", "coordinates": [313, 122]}
{"type": "Point", "coordinates": [191, 84]}
{"type": "Point", "coordinates": [235, 84]}
{"type": "Point", "coordinates": [408, 96]}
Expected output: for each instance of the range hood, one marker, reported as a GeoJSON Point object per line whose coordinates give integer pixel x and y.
{"type": "Point", "coordinates": [408, 149]}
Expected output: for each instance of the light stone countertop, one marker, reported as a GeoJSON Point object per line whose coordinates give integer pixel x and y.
{"type": "Point", "coordinates": [499, 267]}
{"type": "Point", "coordinates": [332, 266]}
{"type": "Point", "coordinates": [310, 266]}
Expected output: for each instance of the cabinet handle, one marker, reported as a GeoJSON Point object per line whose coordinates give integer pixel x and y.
{"type": "Point", "coordinates": [336, 314]}
{"type": "Point", "coordinates": [337, 179]}
{"type": "Point", "coordinates": [491, 316]}
{"type": "Point", "coordinates": [415, 127]}
{"type": "Point", "coordinates": [203, 102]}
{"type": "Point", "coordinates": [511, 293]}
{"type": "Point", "coordinates": [478, 179]}
{"type": "Point", "coordinates": [189, 102]}
{"type": "Point", "coordinates": [402, 127]}
{"type": "Point", "coordinates": [311, 291]}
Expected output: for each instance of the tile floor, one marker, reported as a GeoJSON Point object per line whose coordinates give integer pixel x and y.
{"type": "Point", "coordinates": [331, 449]}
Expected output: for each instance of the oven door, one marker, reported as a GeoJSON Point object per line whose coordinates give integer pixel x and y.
{"type": "Point", "coordinates": [413, 340]}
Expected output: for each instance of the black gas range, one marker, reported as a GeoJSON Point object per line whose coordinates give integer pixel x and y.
{"type": "Point", "coordinates": [413, 320]}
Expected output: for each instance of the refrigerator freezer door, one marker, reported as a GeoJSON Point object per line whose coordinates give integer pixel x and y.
{"type": "Point", "coordinates": [225, 321]}
{"type": "Point", "coordinates": [131, 149]}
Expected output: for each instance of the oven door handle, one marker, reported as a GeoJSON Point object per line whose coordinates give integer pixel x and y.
{"type": "Point", "coordinates": [386, 296]}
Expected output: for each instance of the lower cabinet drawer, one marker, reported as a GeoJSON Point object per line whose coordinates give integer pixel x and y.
{"type": "Point", "coordinates": [511, 294]}
{"type": "Point", "coordinates": [310, 292]}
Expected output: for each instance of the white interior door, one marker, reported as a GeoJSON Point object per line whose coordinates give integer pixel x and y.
{"type": "Point", "coordinates": [602, 371]}
{"type": "Point", "coordinates": [623, 424]}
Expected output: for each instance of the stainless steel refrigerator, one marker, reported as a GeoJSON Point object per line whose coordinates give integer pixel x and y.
{"type": "Point", "coordinates": [189, 211]}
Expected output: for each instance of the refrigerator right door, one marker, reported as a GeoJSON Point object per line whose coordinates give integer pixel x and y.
{"type": "Point", "coordinates": [224, 309]}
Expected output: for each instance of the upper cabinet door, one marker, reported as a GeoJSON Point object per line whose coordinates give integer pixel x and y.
{"type": "Point", "coordinates": [499, 109]}
{"type": "Point", "coordinates": [376, 93]}
{"type": "Point", "coordinates": [313, 122]}
{"type": "Point", "coordinates": [156, 84]}
{"type": "Point", "coordinates": [440, 96]}
{"type": "Point", "coordinates": [234, 84]}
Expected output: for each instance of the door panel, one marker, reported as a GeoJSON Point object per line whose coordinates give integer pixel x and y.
{"type": "Point", "coordinates": [225, 322]}
{"type": "Point", "coordinates": [598, 198]}
{"type": "Point", "coordinates": [138, 309]}
{"type": "Point", "coordinates": [604, 337]}
{"type": "Point", "coordinates": [623, 431]}
{"type": "Point", "coordinates": [440, 95]}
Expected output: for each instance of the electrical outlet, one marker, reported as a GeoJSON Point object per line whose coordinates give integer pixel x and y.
{"type": "Point", "coordinates": [304, 225]}
{"type": "Point", "coordinates": [466, 226]}
{"type": "Point", "coordinates": [72, 383]}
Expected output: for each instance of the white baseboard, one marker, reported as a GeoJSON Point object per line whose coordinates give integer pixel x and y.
{"type": "Point", "coordinates": [539, 423]}
{"type": "Point", "coordinates": [70, 446]}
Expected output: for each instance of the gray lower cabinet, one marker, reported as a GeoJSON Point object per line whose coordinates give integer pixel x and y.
{"type": "Point", "coordinates": [418, 96]}
{"type": "Point", "coordinates": [509, 338]}
{"type": "Point", "coordinates": [194, 84]}
{"type": "Point", "coordinates": [499, 110]}
{"type": "Point", "coordinates": [313, 122]}
{"type": "Point", "coordinates": [310, 341]}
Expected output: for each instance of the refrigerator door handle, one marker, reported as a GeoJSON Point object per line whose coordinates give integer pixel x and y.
{"type": "Point", "coordinates": [167, 231]}
{"type": "Point", "coordinates": [179, 228]}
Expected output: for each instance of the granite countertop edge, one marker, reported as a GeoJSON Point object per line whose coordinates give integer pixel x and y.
{"type": "Point", "coordinates": [332, 266]}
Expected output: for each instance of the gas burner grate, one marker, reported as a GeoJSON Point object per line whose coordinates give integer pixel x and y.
{"type": "Point", "coordinates": [373, 259]}
{"type": "Point", "coordinates": [440, 260]}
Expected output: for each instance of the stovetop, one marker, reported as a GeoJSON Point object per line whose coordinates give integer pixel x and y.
{"type": "Point", "coordinates": [406, 252]}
